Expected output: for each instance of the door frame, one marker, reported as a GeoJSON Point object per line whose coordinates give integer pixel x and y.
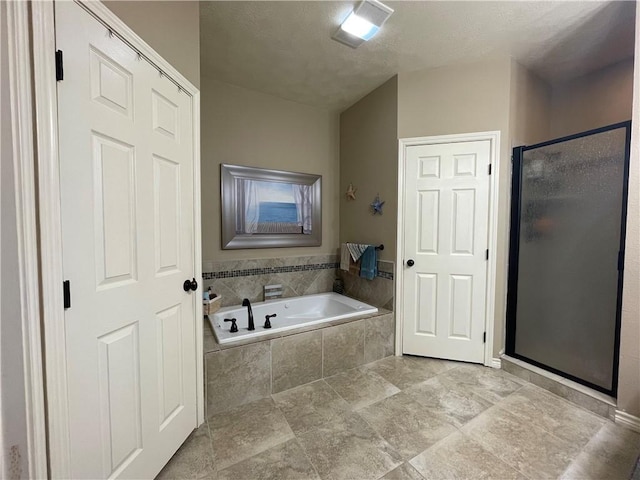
{"type": "Point", "coordinates": [44, 46]}
{"type": "Point", "coordinates": [26, 203]}
{"type": "Point", "coordinates": [494, 201]}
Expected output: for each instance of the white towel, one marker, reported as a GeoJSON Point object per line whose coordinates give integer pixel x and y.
{"type": "Point", "coordinates": [345, 257]}
{"type": "Point", "coordinates": [356, 250]}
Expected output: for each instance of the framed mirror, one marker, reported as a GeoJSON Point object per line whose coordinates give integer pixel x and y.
{"type": "Point", "coordinates": [269, 208]}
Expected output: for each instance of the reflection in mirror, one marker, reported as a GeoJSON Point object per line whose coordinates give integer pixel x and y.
{"type": "Point", "coordinates": [269, 208]}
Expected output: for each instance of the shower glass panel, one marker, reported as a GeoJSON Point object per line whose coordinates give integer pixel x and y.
{"type": "Point", "coordinates": [566, 250]}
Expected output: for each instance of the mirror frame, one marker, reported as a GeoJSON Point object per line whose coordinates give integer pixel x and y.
{"type": "Point", "coordinates": [232, 240]}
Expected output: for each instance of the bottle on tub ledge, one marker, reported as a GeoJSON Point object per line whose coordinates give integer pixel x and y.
{"type": "Point", "coordinates": [210, 302]}
{"type": "Point", "coordinates": [338, 286]}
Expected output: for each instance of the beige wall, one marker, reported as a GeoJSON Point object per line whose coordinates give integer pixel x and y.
{"type": "Point", "coordinates": [172, 28]}
{"type": "Point", "coordinates": [244, 127]}
{"type": "Point", "coordinates": [629, 377]}
{"type": "Point", "coordinates": [368, 159]}
{"type": "Point", "coordinates": [530, 109]}
{"type": "Point", "coordinates": [540, 111]}
{"type": "Point", "coordinates": [595, 100]}
{"type": "Point", "coordinates": [464, 99]}
{"type": "Point", "coordinates": [456, 99]}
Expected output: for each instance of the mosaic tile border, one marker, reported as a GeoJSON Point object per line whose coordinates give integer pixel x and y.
{"type": "Point", "coordinates": [387, 275]}
{"type": "Point", "coordinates": [250, 272]}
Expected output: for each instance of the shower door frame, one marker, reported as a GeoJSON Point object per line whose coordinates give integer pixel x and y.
{"type": "Point", "coordinates": [514, 253]}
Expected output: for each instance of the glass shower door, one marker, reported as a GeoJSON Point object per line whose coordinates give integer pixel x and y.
{"type": "Point", "coordinates": [566, 250]}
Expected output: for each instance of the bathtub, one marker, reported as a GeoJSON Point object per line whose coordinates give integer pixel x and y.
{"type": "Point", "coordinates": [291, 313]}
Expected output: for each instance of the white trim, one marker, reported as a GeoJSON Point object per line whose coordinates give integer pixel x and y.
{"type": "Point", "coordinates": [399, 270]}
{"type": "Point", "coordinates": [197, 258]}
{"type": "Point", "coordinates": [630, 421]}
{"type": "Point", "coordinates": [50, 226]}
{"type": "Point", "coordinates": [25, 188]}
{"type": "Point", "coordinates": [494, 202]}
{"type": "Point", "coordinates": [51, 237]}
{"type": "Point", "coordinates": [496, 363]}
{"type": "Point", "coordinates": [3, 473]}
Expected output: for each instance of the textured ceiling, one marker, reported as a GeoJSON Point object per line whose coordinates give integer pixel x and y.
{"type": "Point", "coordinates": [285, 48]}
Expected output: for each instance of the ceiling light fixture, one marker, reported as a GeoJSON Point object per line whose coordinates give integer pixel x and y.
{"type": "Point", "coordinates": [358, 26]}
{"type": "Point", "coordinates": [362, 23]}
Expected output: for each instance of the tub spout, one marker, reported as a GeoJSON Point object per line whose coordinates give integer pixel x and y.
{"type": "Point", "coordinates": [247, 303]}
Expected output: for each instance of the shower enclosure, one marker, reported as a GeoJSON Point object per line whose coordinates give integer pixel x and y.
{"type": "Point", "coordinates": [568, 218]}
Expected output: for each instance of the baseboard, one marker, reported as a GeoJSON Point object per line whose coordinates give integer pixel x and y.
{"type": "Point", "coordinates": [630, 421]}
{"type": "Point", "coordinates": [496, 363]}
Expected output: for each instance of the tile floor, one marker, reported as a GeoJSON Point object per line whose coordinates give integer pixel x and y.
{"type": "Point", "coordinates": [408, 418]}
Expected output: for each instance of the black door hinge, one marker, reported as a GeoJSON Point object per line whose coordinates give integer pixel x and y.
{"type": "Point", "coordinates": [59, 67]}
{"type": "Point", "coordinates": [66, 289]}
{"type": "Point", "coordinates": [489, 169]}
{"type": "Point", "coordinates": [486, 254]}
{"type": "Point", "coordinates": [484, 337]}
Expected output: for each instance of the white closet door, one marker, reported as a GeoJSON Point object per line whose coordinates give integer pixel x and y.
{"type": "Point", "coordinates": [126, 154]}
{"type": "Point", "coordinates": [446, 235]}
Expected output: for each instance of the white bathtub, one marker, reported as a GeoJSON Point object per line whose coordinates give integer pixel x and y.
{"type": "Point", "coordinates": [290, 313]}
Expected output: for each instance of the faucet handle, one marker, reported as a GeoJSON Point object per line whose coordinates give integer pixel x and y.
{"type": "Point", "coordinates": [234, 327]}
{"type": "Point", "coordinates": [267, 320]}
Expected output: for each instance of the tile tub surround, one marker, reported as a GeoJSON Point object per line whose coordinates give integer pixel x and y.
{"type": "Point", "coordinates": [238, 279]}
{"type": "Point", "coordinates": [236, 375]}
{"type": "Point", "coordinates": [395, 418]}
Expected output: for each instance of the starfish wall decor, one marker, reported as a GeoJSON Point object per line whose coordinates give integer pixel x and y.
{"type": "Point", "coordinates": [351, 192]}
{"type": "Point", "coordinates": [377, 205]}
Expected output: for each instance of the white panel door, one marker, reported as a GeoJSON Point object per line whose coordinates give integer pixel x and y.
{"type": "Point", "coordinates": [126, 156]}
{"type": "Point", "coordinates": [445, 241]}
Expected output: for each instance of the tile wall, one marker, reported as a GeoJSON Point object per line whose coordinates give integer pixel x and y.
{"type": "Point", "coordinates": [238, 279]}
{"type": "Point", "coordinates": [378, 292]}
{"type": "Point", "coordinates": [304, 275]}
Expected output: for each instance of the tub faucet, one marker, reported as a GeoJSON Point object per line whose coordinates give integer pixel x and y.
{"type": "Point", "coordinates": [267, 320]}
{"type": "Point", "coordinates": [247, 303]}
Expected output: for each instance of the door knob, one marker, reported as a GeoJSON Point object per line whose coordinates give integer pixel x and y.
{"type": "Point", "coordinates": [410, 263]}
{"type": "Point", "coordinates": [190, 285]}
